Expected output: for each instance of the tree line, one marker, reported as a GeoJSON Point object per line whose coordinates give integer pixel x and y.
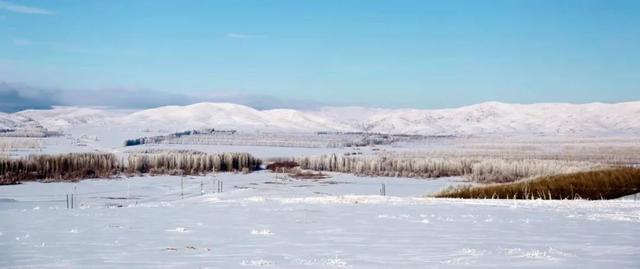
{"type": "Point", "coordinates": [76, 166]}
{"type": "Point", "coordinates": [478, 169]}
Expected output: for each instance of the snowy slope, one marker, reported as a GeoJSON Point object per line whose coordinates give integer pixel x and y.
{"type": "Point", "coordinates": [494, 117]}
{"type": "Point", "coordinates": [202, 115]}
{"type": "Point", "coordinates": [60, 118]}
{"type": "Point", "coordinates": [231, 116]}
{"type": "Point", "coordinates": [7, 121]}
{"type": "Point", "coordinates": [485, 118]}
{"type": "Point", "coordinates": [16, 121]}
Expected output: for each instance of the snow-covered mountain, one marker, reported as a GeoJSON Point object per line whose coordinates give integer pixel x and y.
{"type": "Point", "coordinates": [485, 118]}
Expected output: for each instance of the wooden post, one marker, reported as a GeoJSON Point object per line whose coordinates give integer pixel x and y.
{"type": "Point", "coordinates": [73, 196]}
{"type": "Point", "coordinates": [67, 200]}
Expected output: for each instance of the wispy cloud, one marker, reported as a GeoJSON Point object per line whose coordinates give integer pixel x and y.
{"type": "Point", "coordinates": [241, 36]}
{"type": "Point", "coordinates": [22, 42]}
{"type": "Point", "coordinates": [24, 9]}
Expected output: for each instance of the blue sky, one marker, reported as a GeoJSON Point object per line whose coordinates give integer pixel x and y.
{"type": "Point", "coordinates": [424, 54]}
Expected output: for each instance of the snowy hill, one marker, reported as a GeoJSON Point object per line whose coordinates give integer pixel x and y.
{"type": "Point", "coordinates": [232, 116]}
{"type": "Point", "coordinates": [60, 118]}
{"type": "Point", "coordinates": [485, 118]}
{"type": "Point", "coordinates": [494, 117]}
{"type": "Point", "coordinates": [16, 121]}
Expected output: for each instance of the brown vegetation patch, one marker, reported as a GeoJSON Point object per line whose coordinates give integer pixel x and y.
{"type": "Point", "coordinates": [592, 185]}
{"type": "Point", "coordinates": [282, 166]}
{"type": "Point", "coordinates": [306, 174]}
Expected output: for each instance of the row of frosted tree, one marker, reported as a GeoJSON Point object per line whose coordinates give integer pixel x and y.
{"type": "Point", "coordinates": [298, 140]}
{"type": "Point", "coordinates": [159, 139]}
{"type": "Point", "coordinates": [75, 166]}
{"type": "Point", "coordinates": [478, 169]}
{"type": "Point", "coordinates": [191, 164]}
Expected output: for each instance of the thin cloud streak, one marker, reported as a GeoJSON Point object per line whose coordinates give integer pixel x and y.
{"type": "Point", "coordinates": [242, 36]}
{"type": "Point", "coordinates": [8, 6]}
{"type": "Point", "coordinates": [22, 42]}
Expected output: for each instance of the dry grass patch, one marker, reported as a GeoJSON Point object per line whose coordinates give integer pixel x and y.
{"type": "Point", "coordinates": [592, 185]}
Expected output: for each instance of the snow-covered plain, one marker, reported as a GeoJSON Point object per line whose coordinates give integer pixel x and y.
{"type": "Point", "coordinates": [262, 220]}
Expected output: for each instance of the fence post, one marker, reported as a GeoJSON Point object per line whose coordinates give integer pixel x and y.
{"type": "Point", "coordinates": [67, 200]}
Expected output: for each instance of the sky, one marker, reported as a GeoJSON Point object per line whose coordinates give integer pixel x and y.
{"type": "Point", "coordinates": [279, 53]}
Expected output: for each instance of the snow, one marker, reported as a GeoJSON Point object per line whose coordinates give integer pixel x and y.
{"type": "Point", "coordinates": [340, 222]}
{"type": "Point", "coordinates": [484, 118]}
{"type": "Point", "coordinates": [16, 121]}
{"type": "Point", "coordinates": [268, 133]}
{"type": "Point", "coordinates": [231, 116]}
{"type": "Point", "coordinates": [494, 117]}
{"type": "Point", "coordinates": [264, 220]}
{"type": "Point", "coordinates": [60, 118]}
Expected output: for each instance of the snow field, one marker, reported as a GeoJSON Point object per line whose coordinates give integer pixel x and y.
{"type": "Point", "coordinates": [340, 222]}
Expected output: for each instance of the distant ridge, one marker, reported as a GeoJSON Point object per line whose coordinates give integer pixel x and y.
{"type": "Point", "coordinates": [479, 119]}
